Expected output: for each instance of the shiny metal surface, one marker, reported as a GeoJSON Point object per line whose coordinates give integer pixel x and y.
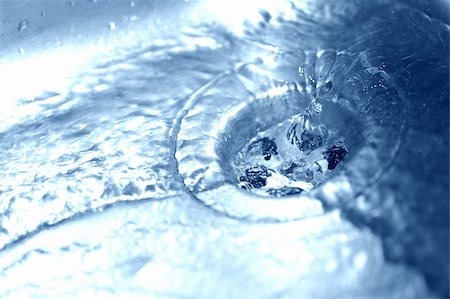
{"type": "Point", "coordinates": [120, 120]}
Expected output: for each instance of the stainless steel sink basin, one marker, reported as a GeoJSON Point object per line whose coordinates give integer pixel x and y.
{"type": "Point", "coordinates": [213, 149]}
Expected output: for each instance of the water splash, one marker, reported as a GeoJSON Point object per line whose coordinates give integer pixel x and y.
{"type": "Point", "coordinates": [308, 149]}
{"type": "Point", "coordinates": [295, 155]}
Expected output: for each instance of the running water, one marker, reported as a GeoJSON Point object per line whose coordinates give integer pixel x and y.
{"type": "Point", "coordinates": [209, 162]}
{"type": "Point", "coordinates": [296, 154]}
{"type": "Point", "coordinates": [299, 160]}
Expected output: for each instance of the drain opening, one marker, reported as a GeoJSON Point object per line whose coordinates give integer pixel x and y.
{"type": "Point", "coordinates": [290, 157]}
{"type": "Point", "coordinates": [248, 138]}
{"type": "Point", "coordinates": [294, 156]}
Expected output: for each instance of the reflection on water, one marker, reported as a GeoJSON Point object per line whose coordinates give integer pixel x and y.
{"type": "Point", "coordinates": [125, 184]}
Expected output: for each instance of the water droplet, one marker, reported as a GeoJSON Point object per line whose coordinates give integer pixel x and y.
{"type": "Point", "coordinates": [325, 88]}
{"type": "Point", "coordinates": [325, 64]}
{"type": "Point", "coordinates": [132, 4]}
{"type": "Point", "coordinates": [112, 26]}
{"type": "Point", "coordinates": [22, 25]}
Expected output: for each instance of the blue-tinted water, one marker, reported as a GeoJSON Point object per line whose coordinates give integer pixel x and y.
{"type": "Point", "coordinates": [139, 154]}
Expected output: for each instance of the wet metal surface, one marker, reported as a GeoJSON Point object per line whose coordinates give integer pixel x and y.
{"type": "Point", "coordinates": [127, 130]}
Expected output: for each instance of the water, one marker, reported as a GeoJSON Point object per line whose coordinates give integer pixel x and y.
{"type": "Point", "coordinates": [22, 25]}
{"type": "Point", "coordinates": [310, 154]}
{"type": "Point", "coordinates": [131, 177]}
{"type": "Point", "coordinates": [112, 26]}
{"type": "Point", "coordinates": [296, 154]}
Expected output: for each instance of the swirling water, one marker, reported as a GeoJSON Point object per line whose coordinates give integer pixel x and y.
{"type": "Point", "coordinates": [124, 184]}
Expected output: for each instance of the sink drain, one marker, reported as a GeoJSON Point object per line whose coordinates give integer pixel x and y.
{"type": "Point", "coordinates": [277, 138]}
{"type": "Point", "coordinates": [295, 155]}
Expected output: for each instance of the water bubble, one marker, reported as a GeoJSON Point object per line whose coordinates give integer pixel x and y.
{"type": "Point", "coordinates": [325, 88]}
{"type": "Point", "coordinates": [72, 3]}
{"type": "Point", "coordinates": [21, 51]}
{"type": "Point", "coordinates": [22, 25]}
{"type": "Point", "coordinates": [43, 14]}
{"type": "Point", "coordinates": [112, 26]}
{"type": "Point", "coordinates": [310, 73]}
{"type": "Point", "coordinates": [325, 65]}
{"type": "Point", "coordinates": [132, 4]}
{"type": "Point", "coordinates": [5, 21]}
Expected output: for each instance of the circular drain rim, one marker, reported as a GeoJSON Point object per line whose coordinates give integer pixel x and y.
{"type": "Point", "coordinates": [203, 173]}
{"type": "Point", "coordinates": [246, 205]}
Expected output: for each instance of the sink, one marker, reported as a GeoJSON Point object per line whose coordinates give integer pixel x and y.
{"type": "Point", "coordinates": [205, 149]}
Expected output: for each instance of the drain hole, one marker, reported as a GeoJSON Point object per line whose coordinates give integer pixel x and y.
{"type": "Point", "coordinates": [290, 157]}
{"type": "Point", "coordinates": [279, 127]}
